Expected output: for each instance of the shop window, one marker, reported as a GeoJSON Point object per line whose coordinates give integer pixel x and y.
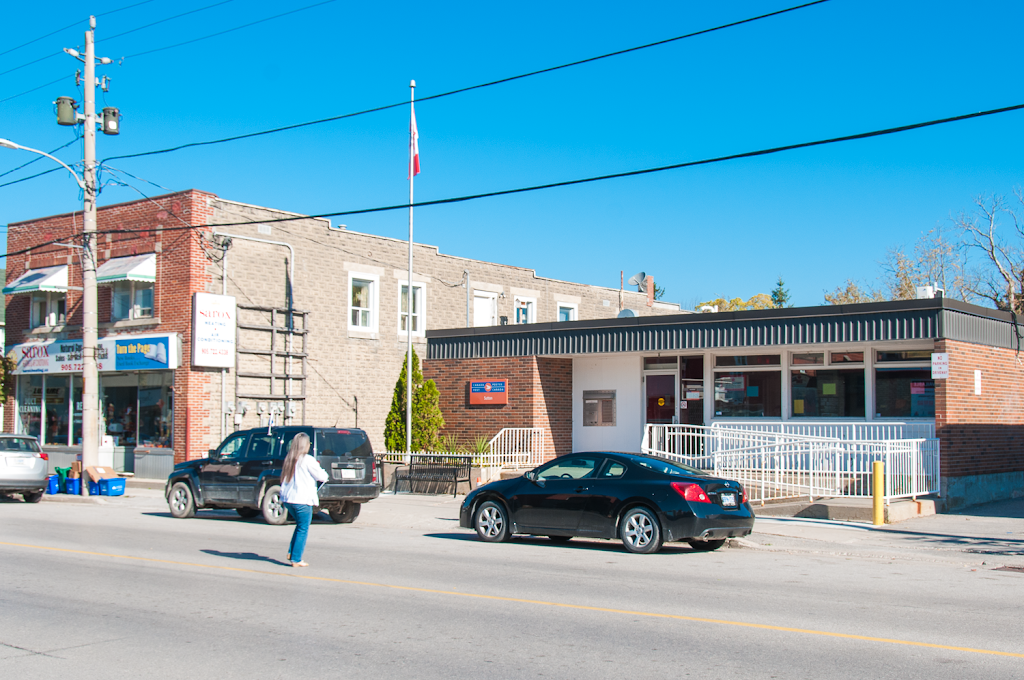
{"type": "Point", "coordinates": [748, 394]}
{"type": "Point", "coordinates": [30, 405]}
{"type": "Point", "coordinates": [131, 300]}
{"type": "Point", "coordinates": [598, 408]}
{"type": "Point", "coordinates": [904, 393]}
{"type": "Point", "coordinates": [404, 317]}
{"type": "Point", "coordinates": [48, 309]}
{"type": "Point", "coordinates": [526, 310]}
{"type": "Point", "coordinates": [905, 355]}
{"type": "Point", "coordinates": [57, 407]}
{"type": "Point", "coordinates": [847, 357]}
{"type": "Point", "coordinates": [748, 360]}
{"type": "Point", "coordinates": [808, 359]}
{"type": "Point", "coordinates": [156, 409]}
{"type": "Point", "coordinates": [827, 394]}
{"type": "Point", "coordinates": [568, 311]}
{"type": "Point", "coordinates": [656, 363]}
{"type": "Point", "coordinates": [363, 302]}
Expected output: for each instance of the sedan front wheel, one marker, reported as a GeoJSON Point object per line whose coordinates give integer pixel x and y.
{"type": "Point", "coordinates": [491, 522]}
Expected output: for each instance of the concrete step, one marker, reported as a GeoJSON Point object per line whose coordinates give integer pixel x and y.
{"type": "Point", "coordinates": [851, 509]}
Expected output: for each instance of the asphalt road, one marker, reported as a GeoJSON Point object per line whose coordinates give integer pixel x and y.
{"type": "Point", "coordinates": [124, 590]}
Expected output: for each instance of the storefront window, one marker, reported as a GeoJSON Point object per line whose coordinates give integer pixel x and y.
{"type": "Point", "coordinates": [827, 394]}
{"type": "Point", "coordinates": [748, 360]}
{"type": "Point", "coordinates": [748, 394]}
{"type": "Point", "coordinates": [904, 393]}
{"type": "Point", "coordinates": [30, 404]}
{"type": "Point", "coordinates": [156, 409]}
{"type": "Point", "coordinates": [76, 412]}
{"type": "Point", "coordinates": [57, 409]}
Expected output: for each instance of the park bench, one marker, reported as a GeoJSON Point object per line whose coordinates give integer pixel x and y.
{"type": "Point", "coordinates": [430, 472]}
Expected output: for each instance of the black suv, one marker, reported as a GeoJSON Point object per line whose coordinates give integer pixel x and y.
{"type": "Point", "coordinates": [244, 473]}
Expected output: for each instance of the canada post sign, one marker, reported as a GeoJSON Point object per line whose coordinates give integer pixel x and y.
{"type": "Point", "coordinates": [488, 392]}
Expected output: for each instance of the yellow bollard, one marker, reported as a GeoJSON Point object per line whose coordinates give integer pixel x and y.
{"type": "Point", "coordinates": [878, 493]}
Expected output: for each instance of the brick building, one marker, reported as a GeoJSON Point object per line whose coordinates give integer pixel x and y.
{"type": "Point", "coordinates": [320, 323]}
{"type": "Point", "coordinates": [855, 372]}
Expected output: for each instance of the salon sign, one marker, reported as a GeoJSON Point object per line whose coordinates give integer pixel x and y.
{"type": "Point", "coordinates": [118, 353]}
{"type": "Point", "coordinates": [213, 330]}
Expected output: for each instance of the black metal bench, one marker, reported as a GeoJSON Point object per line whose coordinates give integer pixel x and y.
{"type": "Point", "coordinates": [429, 472]}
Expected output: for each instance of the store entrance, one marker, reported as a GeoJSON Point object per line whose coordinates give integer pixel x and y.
{"type": "Point", "coordinates": [660, 396]}
{"type": "Point", "coordinates": [120, 411]}
{"type": "Point", "coordinates": [691, 390]}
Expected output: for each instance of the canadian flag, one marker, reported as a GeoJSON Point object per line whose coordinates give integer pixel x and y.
{"type": "Point", "coordinates": [414, 144]}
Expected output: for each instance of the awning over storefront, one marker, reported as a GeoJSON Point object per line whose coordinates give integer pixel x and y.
{"type": "Point", "coordinates": [133, 268]}
{"type": "Point", "coordinates": [47, 279]}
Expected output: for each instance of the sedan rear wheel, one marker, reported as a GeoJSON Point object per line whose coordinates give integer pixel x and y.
{"type": "Point", "coordinates": [639, 531]}
{"type": "Point", "coordinates": [707, 546]}
{"type": "Point", "coordinates": [491, 522]}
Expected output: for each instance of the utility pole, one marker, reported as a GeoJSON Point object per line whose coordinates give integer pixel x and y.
{"type": "Point", "coordinates": [90, 317]}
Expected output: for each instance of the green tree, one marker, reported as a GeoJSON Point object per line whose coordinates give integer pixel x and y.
{"type": "Point", "coordinates": [7, 366]}
{"type": "Point", "coordinates": [780, 295]}
{"type": "Point", "coordinates": [759, 301]}
{"type": "Point", "coordinates": [427, 419]}
{"type": "Point", "coordinates": [659, 291]}
{"type": "Point", "coordinates": [851, 293]}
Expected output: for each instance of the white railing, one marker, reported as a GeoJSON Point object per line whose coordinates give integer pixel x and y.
{"type": "Point", "coordinates": [517, 447]}
{"type": "Point", "coordinates": [838, 429]}
{"type": "Point", "coordinates": [775, 465]}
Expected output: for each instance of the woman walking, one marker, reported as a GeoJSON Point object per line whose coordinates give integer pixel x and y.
{"type": "Point", "coordinates": [299, 476]}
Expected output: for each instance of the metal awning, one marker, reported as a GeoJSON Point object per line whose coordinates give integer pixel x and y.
{"type": "Point", "coordinates": [133, 268]}
{"type": "Point", "coordinates": [47, 279]}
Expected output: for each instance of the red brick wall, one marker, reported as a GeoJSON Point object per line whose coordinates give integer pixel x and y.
{"type": "Point", "coordinates": [144, 226]}
{"type": "Point", "coordinates": [539, 395]}
{"type": "Point", "coordinates": [980, 434]}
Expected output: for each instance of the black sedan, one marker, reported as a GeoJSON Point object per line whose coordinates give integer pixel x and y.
{"type": "Point", "coordinates": [642, 500]}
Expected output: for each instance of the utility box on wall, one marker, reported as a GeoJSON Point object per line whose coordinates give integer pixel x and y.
{"type": "Point", "coordinates": [598, 408]}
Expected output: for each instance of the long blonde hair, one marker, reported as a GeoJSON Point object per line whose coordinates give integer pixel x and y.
{"type": "Point", "coordinates": [296, 450]}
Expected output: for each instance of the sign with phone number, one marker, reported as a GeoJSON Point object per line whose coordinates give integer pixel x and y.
{"type": "Point", "coordinates": [125, 353]}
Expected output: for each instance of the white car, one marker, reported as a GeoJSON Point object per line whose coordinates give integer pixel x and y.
{"type": "Point", "coordinates": [23, 467]}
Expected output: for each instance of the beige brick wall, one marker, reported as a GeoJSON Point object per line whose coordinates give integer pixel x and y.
{"type": "Point", "coordinates": [345, 366]}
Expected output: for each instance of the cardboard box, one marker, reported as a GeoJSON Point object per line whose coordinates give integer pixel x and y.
{"type": "Point", "coordinates": [76, 470]}
{"type": "Point", "coordinates": [97, 472]}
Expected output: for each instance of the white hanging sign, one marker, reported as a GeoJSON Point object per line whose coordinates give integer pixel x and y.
{"type": "Point", "coordinates": [213, 330]}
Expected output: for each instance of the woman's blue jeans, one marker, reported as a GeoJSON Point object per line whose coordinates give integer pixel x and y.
{"type": "Point", "coordinates": [303, 515]}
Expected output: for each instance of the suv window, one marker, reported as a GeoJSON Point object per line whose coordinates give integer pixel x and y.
{"type": "Point", "coordinates": [261, 447]}
{"type": "Point", "coordinates": [286, 442]}
{"type": "Point", "coordinates": [342, 443]}
{"type": "Point", "coordinates": [15, 444]}
{"type": "Point", "coordinates": [233, 446]}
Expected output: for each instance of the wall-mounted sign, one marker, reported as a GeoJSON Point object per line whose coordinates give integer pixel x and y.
{"type": "Point", "coordinates": [488, 392]}
{"type": "Point", "coordinates": [940, 365]}
{"type": "Point", "coordinates": [213, 330]}
{"type": "Point", "coordinates": [118, 353]}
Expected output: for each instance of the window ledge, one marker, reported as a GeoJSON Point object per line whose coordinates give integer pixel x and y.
{"type": "Point", "coordinates": [50, 330]}
{"type": "Point", "coordinates": [365, 335]}
{"type": "Point", "coordinates": [131, 323]}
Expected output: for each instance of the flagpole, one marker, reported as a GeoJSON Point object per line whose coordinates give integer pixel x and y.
{"type": "Point", "coordinates": [408, 288]}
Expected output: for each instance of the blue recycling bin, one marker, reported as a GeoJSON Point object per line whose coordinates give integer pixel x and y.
{"type": "Point", "coordinates": [73, 486]}
{"type": "Point", "coordinates": [53, 484]}
{"type": "Point", "coordinates": [112, 487]}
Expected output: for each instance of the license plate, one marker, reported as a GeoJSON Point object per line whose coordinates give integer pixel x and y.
{"type": "Point", "coordinates": [18, 462]}
{"type": "Point", "coordinates": [345, 474]}
{"type": "Point", "coordinates": [728, 500]}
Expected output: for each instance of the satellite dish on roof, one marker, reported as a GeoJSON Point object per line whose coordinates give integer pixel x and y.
{"type": "Point", "coordinates": [627, 314]}
{"type": "Point", "coordinates": [639, 280]}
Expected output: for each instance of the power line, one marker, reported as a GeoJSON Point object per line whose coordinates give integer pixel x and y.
{"type": "Point", "coordinates": [71, 25]}
{"type": "Point", "coordinates": [236, 28]}
{"type": "Point", "coordinates": [466, 89]}
{"type": "Point", "coordinates": [20, 94]}
{"type": "Point", "coordinates": [39, 158]}
{"type": "Point", "coordinates": [176, 16]}
{"type": "Point", "coordinates": [599, 178]}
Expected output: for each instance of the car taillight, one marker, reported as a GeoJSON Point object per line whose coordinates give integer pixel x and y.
{"type": "Point", "coordinates": [744, 490]}
{"type": "Point", "coordinates": [374, 465]}
{"type": "Point", "coordinates": [44, 456]}
{"type": "Point", "coordinates": [691, 492]}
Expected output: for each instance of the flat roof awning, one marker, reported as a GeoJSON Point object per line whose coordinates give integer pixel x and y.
{"type": "Point", "coordinates": [133, 268]}
{"type": "Point", "coordinates": [47, 279]}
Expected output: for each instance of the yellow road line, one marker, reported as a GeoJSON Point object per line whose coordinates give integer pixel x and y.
{"type": "Point", "coordinates": [500, 598]}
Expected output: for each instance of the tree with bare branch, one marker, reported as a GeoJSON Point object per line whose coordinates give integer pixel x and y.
{"type": "Point", "coordinates": [999, 276]}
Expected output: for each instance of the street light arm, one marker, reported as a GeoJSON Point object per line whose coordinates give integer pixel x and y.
{"type": "Point", "coordinates": [8, 144]}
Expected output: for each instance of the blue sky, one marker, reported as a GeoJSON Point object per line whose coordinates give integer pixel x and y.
{"type": "Point", "coordinates": [815, 216]}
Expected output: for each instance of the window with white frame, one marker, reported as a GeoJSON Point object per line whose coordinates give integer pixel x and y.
{"type": "Point", "coordinates": [568, 311]}
{"type": "Point", "coordinates": [417, 319]}
{"type": "Point", "coordinates": [48, 309]}
{"type": "Point", "coordinates": [525, 309]}
{"type": "Point", "coordinates": [485, 308]}
{"type": "Point", "coordinates": [131, 300]}
{"type": "Point", "coordinates": [363, 295]}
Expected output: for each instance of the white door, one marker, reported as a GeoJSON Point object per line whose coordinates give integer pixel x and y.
{"type": "Point", "coordinates": [485, 309]}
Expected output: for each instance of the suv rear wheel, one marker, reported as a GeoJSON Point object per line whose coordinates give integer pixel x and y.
{"type": "Point", "coordinates": [346, 514]}
{"type": "Point", "coordinates": [32, 496]}
{"type": "Point", "coordinates": [272, 508]}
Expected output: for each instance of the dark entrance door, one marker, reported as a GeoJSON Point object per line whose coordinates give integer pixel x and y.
{"type": "Point", "coordinates": [691, 390]}
{"type": "Point", "coordinates": [660, 393]}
